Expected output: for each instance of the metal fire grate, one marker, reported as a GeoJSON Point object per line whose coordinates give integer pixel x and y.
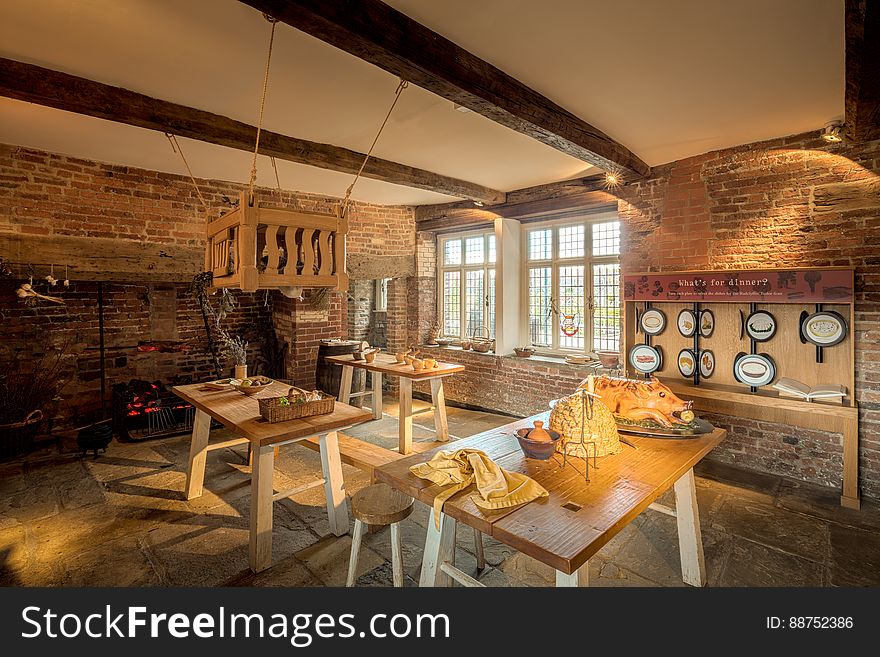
{"type": "Point", "coordinates": [143, 410]}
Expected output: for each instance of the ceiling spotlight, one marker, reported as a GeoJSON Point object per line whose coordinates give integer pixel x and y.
{"type": "Point", "coordinates": [833, 131]}
{"type": "Point", "coordinates": [612, 179]}
{"type": "Point", "coordinates": [479, 204]}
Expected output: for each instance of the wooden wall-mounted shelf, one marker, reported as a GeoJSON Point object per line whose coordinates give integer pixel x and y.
{"type": "Point", "coordinates": [724, 395]}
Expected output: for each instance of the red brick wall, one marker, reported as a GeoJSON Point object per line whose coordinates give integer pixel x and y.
{"type": "Point", "coordinates": [52, 194]}
{"type": "Point", "coordinates": [132, 313]}
{"type": "Point", "coordinates": [795, 201]}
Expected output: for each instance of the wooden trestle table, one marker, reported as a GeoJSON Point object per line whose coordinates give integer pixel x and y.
{"type": "Point", "coordinates": [579, 517]}
{"type": "Point", "coordinates": [241, 413]}
{"type": "Point", "coordinates": [384, 364]}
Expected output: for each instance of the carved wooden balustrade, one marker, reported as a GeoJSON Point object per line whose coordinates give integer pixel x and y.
{"type": "Point", "coordinates": [255, 248]}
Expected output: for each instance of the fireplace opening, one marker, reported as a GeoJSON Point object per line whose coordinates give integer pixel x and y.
{"type": "Point", "coordinates": [148, 409]}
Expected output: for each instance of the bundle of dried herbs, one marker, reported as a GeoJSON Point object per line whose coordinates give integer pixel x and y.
{"type": "Point", "coordinates": [31, 379]}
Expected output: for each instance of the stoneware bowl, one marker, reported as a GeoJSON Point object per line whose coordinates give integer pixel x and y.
{"type": "Point", "coordinates": [417, 364]}
{"type": "Point", "coordinates": [609, 358]}
{"type": "Point", "coordinates": [537, 449]}
{"type": "Point", "coordinates": [429, 363]}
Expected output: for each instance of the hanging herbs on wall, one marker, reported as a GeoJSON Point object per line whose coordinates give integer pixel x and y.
{"type": "Point", "coordinates": [198, 290]}
{"type": "Point", "coordinates": [31, 297]}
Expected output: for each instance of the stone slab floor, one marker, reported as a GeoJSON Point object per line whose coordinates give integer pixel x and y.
{"type": "Point", "coordinates": [121, 520]}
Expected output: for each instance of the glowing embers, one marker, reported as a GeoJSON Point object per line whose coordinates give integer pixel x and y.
{"type": "Point", "coordinates": [144, 409]}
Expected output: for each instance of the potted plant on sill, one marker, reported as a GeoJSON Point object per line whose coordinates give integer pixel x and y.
{"type": "Point", "coordinates": [30, 381]}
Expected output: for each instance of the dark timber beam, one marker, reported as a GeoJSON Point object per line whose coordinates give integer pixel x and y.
{"type": "Point", "coordinates": [387, 38]}
{"type": "Point", "coordinates": [521, 204]}
{"type": "Point", "coordinates": [43, 86]}
{"type": "Point", "coordinates": [862, 70]}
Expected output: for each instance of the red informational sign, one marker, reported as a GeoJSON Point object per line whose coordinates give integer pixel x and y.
{"type": "Point", "coordinates": [749, 286]}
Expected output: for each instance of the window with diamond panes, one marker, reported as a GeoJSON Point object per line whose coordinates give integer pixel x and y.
{"type": "Point", "coordinates": [606, 306]}
{"type": "Point", "coordinates": [474, 302]}
{"type": "Point", "coordinates": [467, 265]}
{"type": "Point", "coordinates": [540, 291]}
{"type": "Point", "coordinates": [571, 307]}
{"type": "Point", "coordinates": [452, 252]}
{"type": "Point", "coordinates": [540, 244]}
{"type": "Point", "coordinates": [572, 279]}
{"type": "Point", "coordinates": [451, 303]}
{"type": "Point", "coordinates": [571, 241]}
{"type": "Point", "coordinates": [606, 238]}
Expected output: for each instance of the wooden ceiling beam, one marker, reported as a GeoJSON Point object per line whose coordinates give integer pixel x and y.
{"type": "Point", "coordinates": [43, 86]}
{"type": "Point", "coordinates": [522, 204]}
{"type": "Point", "coordinates": [862, 101]}
{"type": "Point", "coordinates": [389, 39]}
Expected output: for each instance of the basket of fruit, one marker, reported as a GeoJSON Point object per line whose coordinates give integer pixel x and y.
{"type": "Point", "coordinates": [297, 403]}
{"type": "Point", "coordinates": [254, 384]}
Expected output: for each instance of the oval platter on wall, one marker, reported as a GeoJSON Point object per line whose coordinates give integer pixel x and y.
{"type": "Point", "coordinates": [707, 323]}
{"type": "Point", "coordinates": [824, 329]}
{"type": "Point", "coordinates": [687, 322]}
{"type": "Point", "coordinates": [687, 363]}
{"type": "Point", "coordinates": [761, 326]}
{"type": "Point", "coordinates": [707, 363]}
{"type": "Point", "coordinates": [645, 359]}
{"type": "Point", "coordinates": [653, 322]}
{"type": "Point", "coordinates": [754, 369]}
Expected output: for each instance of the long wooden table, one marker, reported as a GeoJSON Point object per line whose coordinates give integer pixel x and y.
{"type": "Point", "coordinates": [384, 364]}
{"type": "Point", "coordinates": [241, 413]}
{"type": "Point", "coordinates": [579, 517]}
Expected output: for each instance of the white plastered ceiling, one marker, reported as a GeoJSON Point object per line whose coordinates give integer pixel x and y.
{"type": "Point", "coordinates": [667, 79]}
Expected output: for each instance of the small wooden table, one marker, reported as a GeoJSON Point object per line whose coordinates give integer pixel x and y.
{"type": "Point", "coordinates": [384, 364]}
{"type": "Point", "coordinates": [579, 517]}
{"type": "Point", "coordinates": [239, 412]}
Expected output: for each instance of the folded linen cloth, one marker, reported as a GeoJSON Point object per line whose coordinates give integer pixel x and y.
{"type": "Point", "coordinates": [496, 487]}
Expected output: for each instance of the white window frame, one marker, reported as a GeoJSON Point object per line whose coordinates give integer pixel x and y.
{"type": "Point", "coordinates": [381, 295]}
{"type": "Point", "coordinates": [463, 268]}
{"type": "Point", "coordinates": [555, 263]}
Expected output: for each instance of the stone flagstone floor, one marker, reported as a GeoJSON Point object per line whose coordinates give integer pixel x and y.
{"type": "Point", "coordinates": [121, 520]}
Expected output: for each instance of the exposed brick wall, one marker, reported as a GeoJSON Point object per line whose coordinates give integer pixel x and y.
{"type": "Point", "coordinates": [132, 313]}
{"type": "Point", "coordinates": [52, 194]}
{"type": "Point", "coordinates": [789, 202]}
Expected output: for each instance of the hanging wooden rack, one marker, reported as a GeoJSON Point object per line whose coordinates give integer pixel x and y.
{"type": "Point", "coordinates": [254, 248]}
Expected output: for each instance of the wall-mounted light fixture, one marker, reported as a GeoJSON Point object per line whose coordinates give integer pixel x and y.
{"type": "Point", "coordinates": [833, 131]}
{"type": "Point", "coordinates": [479, 204]}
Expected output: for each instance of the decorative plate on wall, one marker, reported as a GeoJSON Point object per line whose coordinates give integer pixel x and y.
{"type": "Point", "coordinates": [653, 322]}
{"type": "Point", "coordinates": [707, 323]}
{"type": "Point", "coordinates": [760, 325]}
{"type": "Point", "coordinates": [686, 363]}
{"type": "Point", "coordinates": [824, 329]}
{"type": "Point", "coordinates": [707, 363]}
{"type": "Point", "coordinates": [687, 323]}
{"type": "Point", "coordinates": [754, 369]}
{"type": "Point", "coordinates": [646, 359]}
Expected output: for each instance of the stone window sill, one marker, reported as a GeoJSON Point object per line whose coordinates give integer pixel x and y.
{"type": "Point", "coordinates": [557, 361]}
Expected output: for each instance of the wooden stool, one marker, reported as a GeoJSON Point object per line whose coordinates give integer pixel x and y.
{"type": "Point", "coordinates": [378, 504]}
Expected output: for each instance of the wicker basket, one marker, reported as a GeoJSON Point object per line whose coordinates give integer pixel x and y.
{"type": "Point", "coordinates": [273, 409]}
{"type": "Point", "coordinates": [480, 340]}
{"type": "Point", "coordinates": [18, 438]}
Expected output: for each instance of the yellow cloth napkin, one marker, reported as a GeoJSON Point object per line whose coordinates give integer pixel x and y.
{"type": "Point", "coordinates": [496, 487]}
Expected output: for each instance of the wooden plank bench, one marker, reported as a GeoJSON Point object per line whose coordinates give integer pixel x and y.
{"type": "Point", "coordinates": [363, 455]}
